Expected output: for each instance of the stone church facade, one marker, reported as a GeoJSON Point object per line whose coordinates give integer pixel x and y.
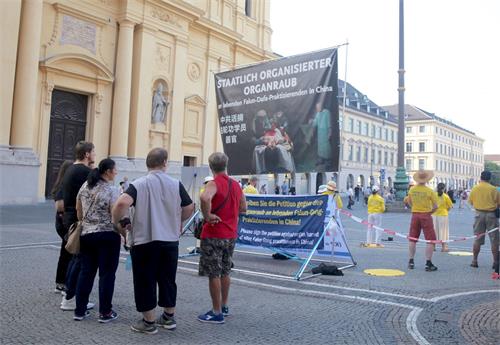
{"type": "Point", "coordinates": [127, 75]}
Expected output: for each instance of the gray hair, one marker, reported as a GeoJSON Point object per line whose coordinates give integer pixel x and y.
{"type": "Point", "coordinates": [218, 162]}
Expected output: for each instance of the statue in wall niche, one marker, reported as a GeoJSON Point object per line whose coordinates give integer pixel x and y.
{"type": "Point", "coordinates": [160, 105]}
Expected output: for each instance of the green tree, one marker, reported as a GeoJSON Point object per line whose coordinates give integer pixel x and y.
{"type": "Point", "coordinates": [495, 172]}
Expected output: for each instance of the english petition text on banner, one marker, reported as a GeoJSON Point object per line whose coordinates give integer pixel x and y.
{"type": "Point", "coordinates": [292, 222]}
{"type": "Point", "coordinates": [282, 115]}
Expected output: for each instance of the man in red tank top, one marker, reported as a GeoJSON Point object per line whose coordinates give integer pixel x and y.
{"type": "Point", "coordinates": [221, 203]}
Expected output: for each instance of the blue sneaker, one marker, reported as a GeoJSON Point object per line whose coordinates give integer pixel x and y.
{"type": "Point", "coordinates": [211, 317]}
{"type": "Point", "coordinates": [225, 311]}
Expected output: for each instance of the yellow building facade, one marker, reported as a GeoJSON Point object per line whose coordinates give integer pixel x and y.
{"type": "Point", "coordinates": [127, 75]}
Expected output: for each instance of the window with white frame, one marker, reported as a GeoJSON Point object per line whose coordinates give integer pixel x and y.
{"type": "Point", "coordinates": [409, 147]}
{"type": "Point", "coordinates": [421, 164]}
{"type": "Point", "coordinates": [408, 129]}
{"type": "Point", "coordinates": [421, 147]}
{"type": "Point", "coordinates": [408, 165]}
{"type": "Point", "coordinates": [421, 129]}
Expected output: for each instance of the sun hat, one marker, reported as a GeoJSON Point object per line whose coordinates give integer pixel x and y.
{"type": "Point", "coordinates": [423, 176]}
{"type": "Point", "coordinates": [331, 185]}
{"type": "Point", "coordinates": [322, 189]}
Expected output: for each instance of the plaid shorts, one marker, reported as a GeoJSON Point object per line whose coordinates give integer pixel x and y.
{"type": "Point", "coordinates": [216, 257]}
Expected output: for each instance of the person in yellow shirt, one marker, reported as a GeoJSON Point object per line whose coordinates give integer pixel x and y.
{"type": "Point", "coordinates": [423, 203]}
{"type": "Point", "coordinates": [486, 200]}
{"type": "Point", "coordinates": [440, 216]}
{"type": "Point", "coordinates": [376, 206]}
{"type": "Point", "coordinates": [251, 187]}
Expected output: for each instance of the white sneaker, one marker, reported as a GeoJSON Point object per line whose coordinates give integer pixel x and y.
{"type": "Point", "coordinates": [70, 304]}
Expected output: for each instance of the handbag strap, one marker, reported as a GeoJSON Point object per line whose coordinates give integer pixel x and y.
{"type": "Point", "coordinates": [227, 196]}
{"type": "Point", "coordinates": [90, 206]}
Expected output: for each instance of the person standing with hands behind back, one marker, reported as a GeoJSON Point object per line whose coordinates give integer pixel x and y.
{"type": "Point", "coordinates": [221, 204]}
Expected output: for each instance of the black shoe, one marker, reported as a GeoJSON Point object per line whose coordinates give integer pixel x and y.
{"type": "Point", "coordinates": [430, 267]}
{"type": "Point", "coordinates": [411, 265]}
{"type": "Point", "coordinates": [108, 317]}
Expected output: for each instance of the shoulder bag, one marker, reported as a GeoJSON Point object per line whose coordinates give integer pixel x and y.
{"type": "Point", "coordinates": [199, 225]}
{"type": "Point", "coordinates": [75, 230]}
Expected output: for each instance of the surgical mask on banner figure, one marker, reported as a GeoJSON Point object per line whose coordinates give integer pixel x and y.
{"type": "Point", "coordinates": [281, 116]}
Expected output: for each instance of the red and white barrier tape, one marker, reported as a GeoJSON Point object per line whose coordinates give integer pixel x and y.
{"type": "Point", "coordinates": [398, 234]}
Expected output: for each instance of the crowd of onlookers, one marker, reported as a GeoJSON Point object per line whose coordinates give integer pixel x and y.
{"type": "Point", "coordinates": [146, 215]}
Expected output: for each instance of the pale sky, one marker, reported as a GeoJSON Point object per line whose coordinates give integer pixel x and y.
{"type": "Point", "coordinates": [452, 52]}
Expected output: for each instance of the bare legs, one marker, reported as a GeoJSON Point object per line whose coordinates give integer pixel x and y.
{"type": "Point", "coordinates": [219, 292]}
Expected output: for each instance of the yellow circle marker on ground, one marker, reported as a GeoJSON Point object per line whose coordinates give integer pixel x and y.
{"type": "Point", "coordinates": [384, 272]}
{"type": "Point", "coordinates": [460, 253]}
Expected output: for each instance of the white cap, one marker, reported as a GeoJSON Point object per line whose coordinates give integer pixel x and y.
{"type": "Point", "coordinates": [322, 189]}
{"type": "Point", "coordinates": [208, 179]}
{"type": "Point", "coordinates": [375, 188]}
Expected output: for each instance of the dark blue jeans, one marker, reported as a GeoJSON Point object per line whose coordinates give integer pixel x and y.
{"type": "Point", "coordinates": [100, 250]}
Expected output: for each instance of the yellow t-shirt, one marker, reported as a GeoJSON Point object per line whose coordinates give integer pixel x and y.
{"type": "Point", "coordinates": [484, 197]}
{"type": "Point", "coordinates": [249, 189]}
{"type": "Point", "coordinates": [422, 199]}
{"type": "Point", "coordinates": [444, 204]}
{"type": "Point", "coordinates": [376, 204]}
{"type": "Point", "coordinates": [337, 198]}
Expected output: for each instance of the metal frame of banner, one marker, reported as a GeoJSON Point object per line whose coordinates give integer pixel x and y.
{"type": "Point", "coordinates": [274, 59]}
{"type": "Point", "coordinates": [305, 262]}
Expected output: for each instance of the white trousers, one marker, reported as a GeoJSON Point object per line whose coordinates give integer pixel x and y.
{"type": "Point", "coordinates": [441, 227]}
{"type": "Point", "coordinates": [375, 219]}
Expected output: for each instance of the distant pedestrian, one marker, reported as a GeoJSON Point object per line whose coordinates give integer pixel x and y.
{"type": "Point", "coordinates": [357, 191]}
{"type": "Point", "coordinates": [74, 178]}
{"type": "Point", "coordinates": [221, 204]}
{"type": "Point", "coordinates": [126, 184]}
{"type": "Point", "coordinates": [64, 256]}
{"type": "Point", "coordinates": [161, 205]}
{"type": "Point", "coordinates": [485, 199]}
{"type": "Point", "coordinates": [440, 216]}
{"type": "Point", "coordinates": [350, 196]}
{"type": "Point", "coordinates": [277, 190]}
{"type": "Point", "coordinates": [251, 187]}
{"type": "Point", "coordinates": [263, 189]}
{"type": "Point", "coordinates": [423, 203]}
{"type": "Point", "coordinates": [376, 207]}
{"type": "Point", "coordinates": [99, 242]}
{"type": "Point", "coordinates": [284, 187]}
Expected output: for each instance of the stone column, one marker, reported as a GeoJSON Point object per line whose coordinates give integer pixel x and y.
{"type": "Point", "coordinates": [178, 96]}
{"type": "Point", "coordinates": [122, 89]}
{"type": "Point", "coordinates": [177, 130]}
{"type": "Point", "coordinates": [26, 83]}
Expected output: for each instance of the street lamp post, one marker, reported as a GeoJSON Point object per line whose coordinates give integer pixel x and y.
{"type": "Point", "coordinates": [401, 180]}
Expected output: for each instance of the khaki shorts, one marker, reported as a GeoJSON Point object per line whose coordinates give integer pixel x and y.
{"type": "Point", "coordinates": [216, 257]}
{"type": "Point", "coordinates": [483, 222]}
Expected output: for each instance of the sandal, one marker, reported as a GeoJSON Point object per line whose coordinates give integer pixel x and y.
{"type": "Point", "coordinates": [474, 264]}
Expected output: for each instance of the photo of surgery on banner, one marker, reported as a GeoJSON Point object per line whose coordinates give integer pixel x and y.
{"type": "Point", "coordinates": [281, 116]}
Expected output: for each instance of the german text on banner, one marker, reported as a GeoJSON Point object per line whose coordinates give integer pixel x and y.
{"type": "Point", "coordinates": [291, 222]}
{"type": "Point", "coordinates": [281, 116]}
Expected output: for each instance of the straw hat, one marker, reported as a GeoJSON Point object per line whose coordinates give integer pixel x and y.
{"type": "Point", "coordinates": [331, 185]}
{"type": "Point", "coordinates": [423, 176]}
{"type": "Point", "coordinates": [322, 189]}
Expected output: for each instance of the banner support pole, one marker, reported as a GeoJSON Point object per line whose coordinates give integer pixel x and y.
{"type": "Point", "coordinates": [306, 262]}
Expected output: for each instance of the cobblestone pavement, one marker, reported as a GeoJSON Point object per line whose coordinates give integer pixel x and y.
{"type": "Point", "coordinates": [455, 305]}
